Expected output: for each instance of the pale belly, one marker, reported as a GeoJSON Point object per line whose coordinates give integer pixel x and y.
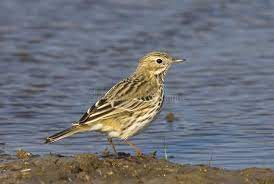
{"type": "Point", "coordinates": [138, 123]}
{"type": "Point", "coordinates": [137, 126]}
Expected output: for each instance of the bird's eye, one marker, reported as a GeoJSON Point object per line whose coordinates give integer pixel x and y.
{"type": "Point", "coordinates": [159, 61]}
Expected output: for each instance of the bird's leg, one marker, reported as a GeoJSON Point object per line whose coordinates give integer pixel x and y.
{"type": "Point", "coordinates": [112, 145]}
{"type": "Point", "coordinates": [138, 152]}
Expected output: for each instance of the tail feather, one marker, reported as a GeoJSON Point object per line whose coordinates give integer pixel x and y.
{"type": "Point", "coordinates": [65, 133]}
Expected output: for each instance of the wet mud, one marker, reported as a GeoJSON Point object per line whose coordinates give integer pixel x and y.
{"type": "Point", "coordinates": [124, 168]}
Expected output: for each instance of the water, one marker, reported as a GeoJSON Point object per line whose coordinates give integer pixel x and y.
{"type": "Point", "coordinates": [56, 57]}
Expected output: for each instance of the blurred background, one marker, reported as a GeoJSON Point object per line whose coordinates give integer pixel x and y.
{"type": "Point", "coordinates": [58, 57]}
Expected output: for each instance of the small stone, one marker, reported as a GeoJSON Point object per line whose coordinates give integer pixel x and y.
{"type": "Point", "coordinates": [170, 117]}
{"type": "Point", "coordinates": [22, 154]}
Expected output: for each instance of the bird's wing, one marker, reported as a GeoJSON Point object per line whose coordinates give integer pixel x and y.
{"type": "Point", "coordinates": [125, 97]}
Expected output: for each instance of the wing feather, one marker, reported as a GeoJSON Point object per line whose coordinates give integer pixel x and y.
{"type": "Point", "coordinates": [125, 97]}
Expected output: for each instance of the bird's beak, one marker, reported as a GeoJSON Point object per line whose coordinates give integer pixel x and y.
{"type": "Point", "coordinates": [178, 60]}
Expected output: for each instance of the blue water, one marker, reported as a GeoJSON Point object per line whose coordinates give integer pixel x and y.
{"type": "Point", "coordinates": [58, 57]}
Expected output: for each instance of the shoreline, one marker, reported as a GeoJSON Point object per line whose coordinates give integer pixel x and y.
{"type": "Point", "coordinates": [91, 168]}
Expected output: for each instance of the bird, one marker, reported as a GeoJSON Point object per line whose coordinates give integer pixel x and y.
{"type": "Point", "coordinates": [129, 106]}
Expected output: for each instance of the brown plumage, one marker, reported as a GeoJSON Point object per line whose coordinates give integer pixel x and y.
{"type": "Point", "coordinates": [130, 105]}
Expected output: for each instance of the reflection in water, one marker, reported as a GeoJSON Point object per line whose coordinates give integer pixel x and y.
{"type": "Point", "coordinates": [57, 58]}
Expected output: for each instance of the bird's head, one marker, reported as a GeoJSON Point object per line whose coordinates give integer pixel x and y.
{"type": "Point", "coordinates": [156, 63]}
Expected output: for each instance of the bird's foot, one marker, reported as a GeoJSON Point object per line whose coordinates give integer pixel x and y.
{"type": "Point", "coordinates": [106, 153]}
{"type": "Point", "coordinates": [138, 153]}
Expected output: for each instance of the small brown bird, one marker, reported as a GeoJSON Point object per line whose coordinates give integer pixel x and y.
{"type": "Point", "coordinates": [129, 106]}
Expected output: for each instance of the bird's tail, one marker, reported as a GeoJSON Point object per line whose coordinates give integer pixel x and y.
{"type": "Point", "coordinates": [65, 133]}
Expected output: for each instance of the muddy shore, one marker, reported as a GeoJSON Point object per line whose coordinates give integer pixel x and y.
{"type": "Point", "coordinates": [91, 168]}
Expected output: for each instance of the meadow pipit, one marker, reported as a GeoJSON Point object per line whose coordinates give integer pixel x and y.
{"type": "Point", "coordinates": [129, 106]}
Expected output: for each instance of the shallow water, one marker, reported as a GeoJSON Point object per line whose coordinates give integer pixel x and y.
{"type": "Point", "coordinates": [57, 58]}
